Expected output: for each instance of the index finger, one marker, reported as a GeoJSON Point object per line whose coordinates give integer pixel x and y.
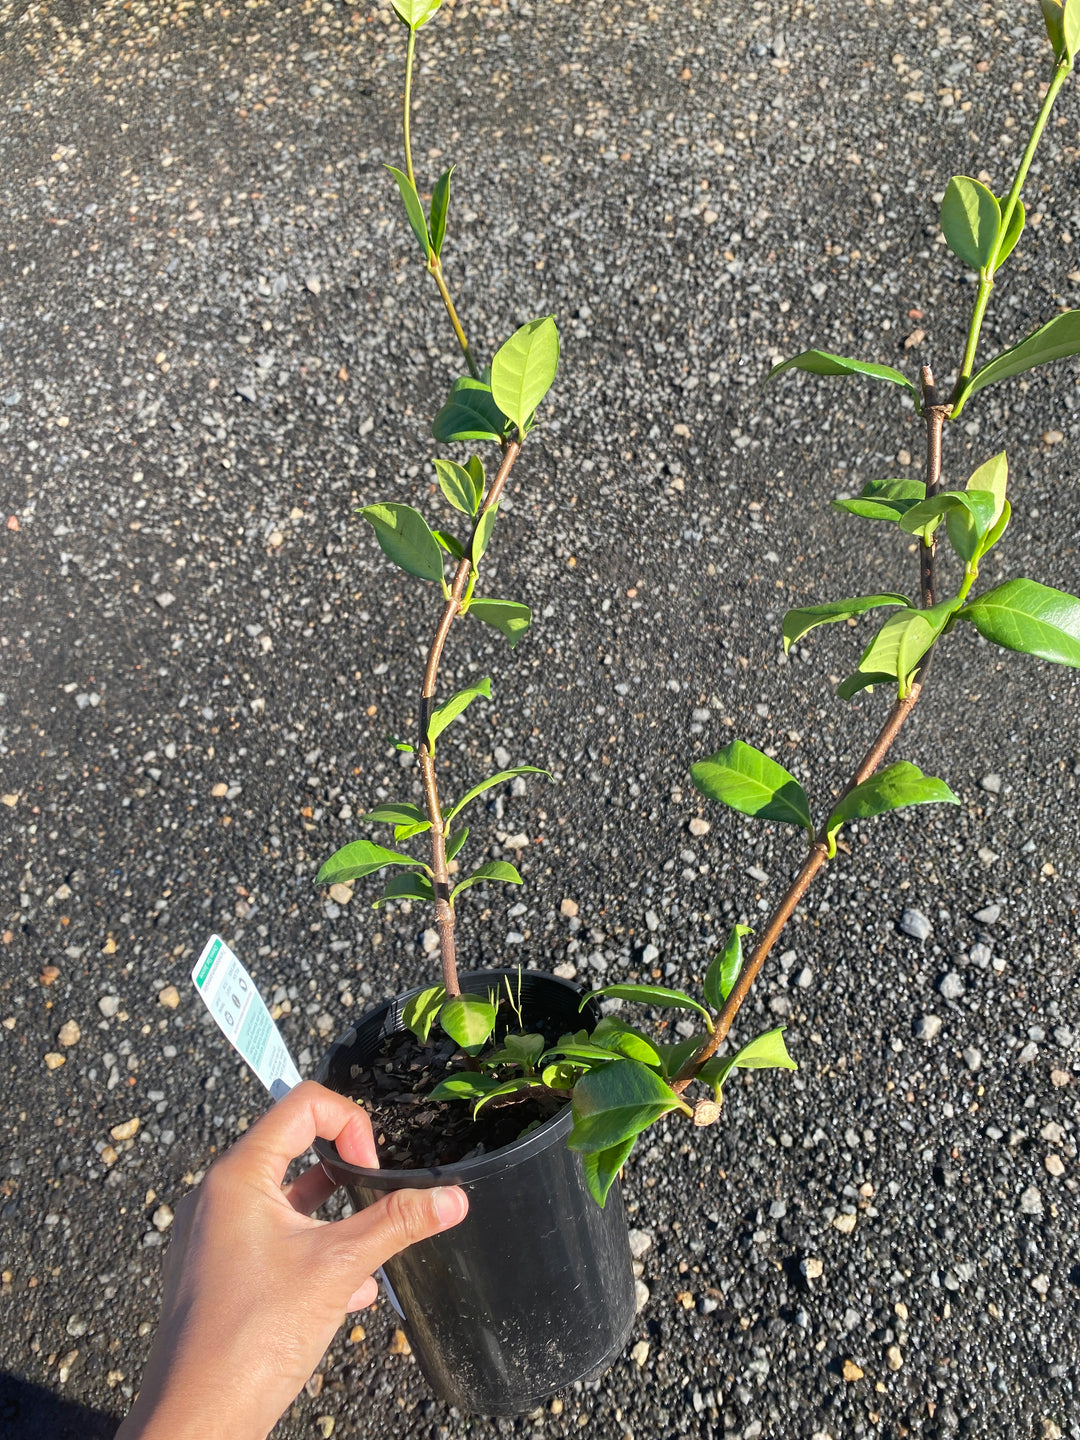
{"type": "Point", "coordinates": [290, 1128]}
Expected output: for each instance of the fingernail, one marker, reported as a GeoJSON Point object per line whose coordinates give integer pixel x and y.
{"type": "Point", "coordinates": [450, 1206]}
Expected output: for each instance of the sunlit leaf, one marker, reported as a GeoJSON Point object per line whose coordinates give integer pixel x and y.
{"type": "Point", "coordinates": [413, 209]}
{"type": "Point", "coordinates": [524, 368]}
{"type": "Point", "coordinates": [440, 204]}
{"type": "Point", "coordinates": [406, 887]}
{"type": "Point", "coordinates": [822, 362]}
{"type": "Point", "coordinates": [970, 221]}
{"type": "Point", "coordinates": [1031, 618]}
{"type": "Point", "coordinates": [468, 1020]}
{"type": "Point", "coordinates": [601, 1168]}
{"type": "Point", "coordinates": [798, 623]}
{"type": "Point", "coordinates": [894, 788]}
{"type": "Point", "coordinates": [884, 499]}
{"type": "Point", "coordinates": [415, 13]}
{"type": "Point", "coordinates": [456, 705]}
{"type": "Point", "coordinates": [404, 536]}
{"type": "Point", "coordinates": [617, 1101]}
{"type": "Point", "coordinates": [1058, 339]}
{"type": "Point", "coordinates": [359, 858]}
{"type": "Point", "coordinates": [658, 995]}
{"type": "Point", "coordinates": [499, 778]}
{"type": "Point", "coordinates": [420, 1012]}
{"type": "Point", "coordinates": [458, 485]}
{"type": "Point", "coordinates": [468, 1085]}
{"type": "Point", "coordinates": [509, 616]}
{"type": "Point", "coordinates": [498, 870]}
{"type": "Point", "coordinates": [748, 781]}
{"type": "Point", "coordinates": [470, 413]}
{"type": "Point", "coordinates": [724, 970]}
{"type": "Point", "coordinates": [395, 812]}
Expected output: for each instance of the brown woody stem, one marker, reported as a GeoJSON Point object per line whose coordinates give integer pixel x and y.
{"type": "Point", "coordinates": [444, 911]}
{"type": "Point", "coordinates": [935, 416]}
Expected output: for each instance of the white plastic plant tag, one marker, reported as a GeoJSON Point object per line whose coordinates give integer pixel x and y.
{"type": "Point", "coordinates": [236, 1005]}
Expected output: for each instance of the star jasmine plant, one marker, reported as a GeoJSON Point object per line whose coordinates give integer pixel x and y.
{"type": "Point", "coordinates": [620, 1078]}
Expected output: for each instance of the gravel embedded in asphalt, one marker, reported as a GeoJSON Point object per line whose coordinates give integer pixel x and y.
{"type": "Point", "coordinates": [213, 347]}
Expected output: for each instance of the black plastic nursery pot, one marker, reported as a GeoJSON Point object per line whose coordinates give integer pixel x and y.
{"type": "Point", "coordinates": [535, 1288]}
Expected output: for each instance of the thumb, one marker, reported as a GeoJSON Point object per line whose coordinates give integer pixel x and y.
{"type": "Point", "coordinates": [355, 1247]}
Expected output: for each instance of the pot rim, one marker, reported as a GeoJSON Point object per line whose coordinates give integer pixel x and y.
{"type": "Point", "coordinates": [463, 1172]}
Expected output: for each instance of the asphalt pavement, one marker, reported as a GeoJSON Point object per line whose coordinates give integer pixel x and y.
{"type": "Point", "coordinates": [216, 340]}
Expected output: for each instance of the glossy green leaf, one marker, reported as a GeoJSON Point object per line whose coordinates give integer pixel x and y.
{"type": "Point", "coordinates": [405, 538]}
{"type": "Point", "coordinates": [468, 1085]}
{"type": "Point", "coordinates": [470, 413]}
{"type": "Point", "coordinates": [766, 1052]}
{"type": "Point", "coordinates": [612, 1034]}
{"type": "Point", "coordinates": [894, 788]}
{"type": "Point", "coordinates": [971, 221]}
{"type": "Point", "coordinates": [407, 831]}
{"type": "Point", "coordinates": [475, 466]}
{"type": "Point", "coordinates": [523, 370]}
{"type": "Point", "coordinates": [616, 1102]}
{"type": "Point", "coordinates": [1031, 618]}
{"type": "Point", "coordinates": [360, 858]}
{"type": "Point", "coordinates": [443, 714]}
{"type": "Point", "coordinates": [406, 887]}
{"type": "Point", "coordinates": [821, 362]}
{"type": "Point", "coordinates": [415, 13]}
{"type": "Point", "coordinates": [413, 209]}
{"type": "Point", "coordinates": [510, 1087]}
{"type": "Point", "coordinates": [1058, 339]}
{"type": "Point", "coordinates": [525, 1049]}
{"type": "Point", "coordinates": [458, 485]}
{"type": "Point", "coordinates": [725, 968]}
{"type": "Point", "coordinates": [1054, 16]}
{"type": "Point", "coordinates": [420, 1012]}
{"type": "Point", "coordinates": [658, 995]}
{"type": "Point", "coordinates": [901, 643]}
{"type": "Point", "coordinates": [798, 623]}
{"type": "Point", "coordinates": [863, 680]}
{"type": "Point", "coordinates": [469, 1021]}
{"type": "Point", "coordinates": [482, 535]}
{"type": "Point", "coordinates": [748, 781]}
{"type": "Point", "coordinates": [440, 204]}
{"type": "Point", "coordinates": [1071, 28]}
{"type": "Point", "coordinates": [674, 1057]}
{"type": "Point", "coordinates": [583, 1051]}
{"type": "Point", "coordinates": [508, 616]}
{"type": "Point", "coordinates": [394, 812]}
{"type": "Point", "coordinates": [498, 870]}
{"type": "Point", "coordinates": [992, 477]}
{"type": "Point", "coordinates": [601, 1168]}
{"type": "Point", "coordinates": [994, 534]}
{"type": "Point", "coordinates": [500, 778]}
{"type": "Point", "coordinates": [450, 544]}
{"type": "Point", "coordinates": [884, 499]}
{"type": "Point", "coordinates": [456, 841]}
{"type": "Point", "coordinates": [563, 1074]}
{"type": "Point", "coordinates": [1012, 235]}
{"type": "Point", "coordinates": [968, 514]}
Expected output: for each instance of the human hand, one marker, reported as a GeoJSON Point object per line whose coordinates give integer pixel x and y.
{"type": "Point", "coordinates": [255, 1288]}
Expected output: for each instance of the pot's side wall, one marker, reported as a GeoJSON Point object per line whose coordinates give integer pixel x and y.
{"type": "Point", "coordinates": [535, 1288]}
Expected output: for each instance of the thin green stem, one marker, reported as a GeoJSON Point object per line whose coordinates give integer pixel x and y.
{"type": "Point", "coordinates": [410, 52]}
{"type": "Point", "coordinates": [1062, 71]}
{"type": "Point", "coordinates": [435, 270]}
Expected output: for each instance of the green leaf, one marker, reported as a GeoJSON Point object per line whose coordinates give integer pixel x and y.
{"type": "Point", "coordinates": [475, 466]}
{"type": "Point", "coordinates": [494, 870]}
{"type": "Point", "coordinates": [468, 1020]}
{"type": "Point", "coordinates": [443, 714]}
{"type": "Point", "coordinates": [466, 1086]}
{"type": "Point", "coordinates": [1056, 340]}
{"type": "Point", "coordinates": [451, 545]}
{"type": "Point", "coordinates": [361, 858]}
{"type": "Point", "coordinates": [657, 995]}
{"type": "Point", "coordinates": [1032, 618]}
{"type": "Point", "coordinates": [508, 616]}
{"type": "Point", "coordinates": [413, 209]}
{"type": "Point", "coordinates": [456, 841]}
{"type": "Point", "coordinates": [523, 370]}
{"type": "Point", "coordinates": [971, 221]}
{"type": "Point", "coordinates": [440, 204]}
{"type": "Point", "coordinates": [562, 1074]}
{"type": "Point", "coordinates": [968, 514]}
{"type": "Point", "coordinates": [1071, 28]}
{"type": "Point", "coordinates": [766, 1052]}
{"type": "Point", "coordinates": [581, 1051]}
{"type": "Point", "coordinates": [415, 13]}
{"type": "Point", "coordinates": [1054, 16]}
{"type": "Point", "coordinates": [884, 499]}
{"type": "Point", "coordinates": [525, 1049]}
{"type": "Point", "coordinates": [821, 362]}
{"type": "Point", "coordinates": [406, 832]}
{"type": "Point", "coordinates": [1012, 235]}
{"type": "Point", "coordinates": [420, 1012]}
{"type": "Point", "coordinates": [748, 781]}
{"type": "Point", "coordinates": [510, 1087]}
{"type": "Point", "coordinates": [482, 534]}
{"type": "Point", "coordinates": [394, 813]}
{"type": "Point", "coordinates": [893, 788]}
{"type": "Point", "coordinates": [470, 413]}
{"type": "Point", "coordinates": [499, 778]}
{"type": "Point", "coordinates": [601, 1168]}
{"type": "Point", "coordinates": [612, 1034]}
{"type": "Point", "coordinates": [724, 970]}
{"type": "Point", "coordinates": [673, 1057]}
{"type": "Point", "coordinates": [616, 1102]}
{"type": "Point", "coordinates": [798, 623]}
{"type": "Point", "coordinates": [405, 538]}
{"type": "Point", "coordinates": [863, 681]}
{"type": "Point", "coordinates": [900, 644]}
{"type": "Point", "coordinates": [458, 485]}
{"type": "Point", "coordinates": [406, 887]}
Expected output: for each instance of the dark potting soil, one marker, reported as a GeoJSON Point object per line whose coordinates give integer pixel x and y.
{"type": "Point", "coordinates": [413, 1132]}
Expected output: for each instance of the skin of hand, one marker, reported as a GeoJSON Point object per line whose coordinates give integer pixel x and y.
{"type": "Point", "coordinates": [255, 1287]}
